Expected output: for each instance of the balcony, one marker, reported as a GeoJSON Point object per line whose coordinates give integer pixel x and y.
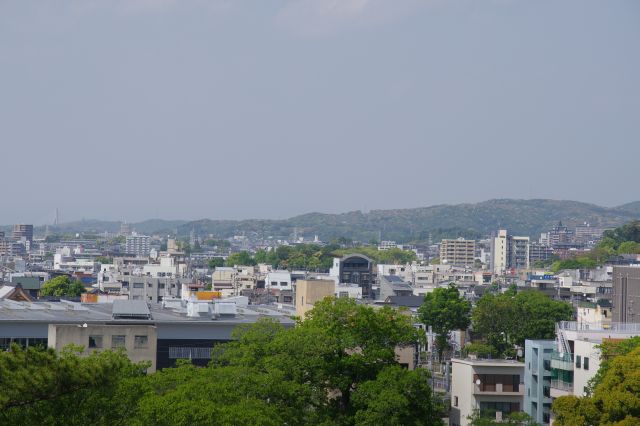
{"type": "Point", "coordinates": [562, 361]}
{"type": "Point", "coordinates": [561, 385]}
{"type": "Point", "coordinates": [499, 389]}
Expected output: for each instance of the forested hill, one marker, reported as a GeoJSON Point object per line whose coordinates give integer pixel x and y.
{"type": "Point", "coordinates": [521, 217]}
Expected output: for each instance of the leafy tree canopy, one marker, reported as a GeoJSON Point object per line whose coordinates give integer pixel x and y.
{"type": "Point", "coordinates": [615, 399]}
{"type": "Point", "coordinates": [499, 318]}
{"type": "Point", "coordinates": [445, 310]}
{"type": "Point", "coordinates": [62, 286]}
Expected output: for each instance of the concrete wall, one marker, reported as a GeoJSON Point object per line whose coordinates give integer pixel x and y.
{"type": "Point", "coordinates": [63, 335]}
{"type": "Point", "coordinates": [308, 292]}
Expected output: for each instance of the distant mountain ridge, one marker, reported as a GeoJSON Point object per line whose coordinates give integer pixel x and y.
{"type": "Point", "coordinates": [520, 217]}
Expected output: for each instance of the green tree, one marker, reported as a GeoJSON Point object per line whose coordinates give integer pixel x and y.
{"type": "Point", "coordinates": [499, 317]}
{"type": "Point", "coordinates": [62, 286]}
{"type": "Point", "coordinates": [216, 262]}
{"type": "Point", "coordinates": [478, 418]}
{"type": "Point", "coordinates": [629, 247]}
{"type": "Point", "coordinates": [445, 310]}
{"type": "Point", "coordinates": [40, 386]}
{"type": "Point", "coordinates": [391, 400]}
{"type": "Point", "coordinates": [339, 347]}
{"type": "Point", "coordinates": [242, 258]}
{"type": "Point", "coordinates": [104, 260]}
{"type": "Point", "coordinates": [615, 399]}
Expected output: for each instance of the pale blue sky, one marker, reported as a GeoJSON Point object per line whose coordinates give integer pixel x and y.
{"type": "Point", "coordinates": [187, 109]}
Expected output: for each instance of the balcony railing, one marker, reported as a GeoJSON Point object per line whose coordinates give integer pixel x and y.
{"type": "Point", "coordinates": [562, 385]}
{"type": "Point", "coordinates": [562, 361]}
{"type": "Point", "coordinates": [614, 327]}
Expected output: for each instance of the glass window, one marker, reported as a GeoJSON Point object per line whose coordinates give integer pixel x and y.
{"type": "Point", "coordinates": [141, 342]}
{"type": "Point", "coordinates": [118, 341]}
{"type": "Point", "coordinates": [138, 285]}
{"type": "Point", "coordinates": [585, 363]}
{"type": "Point", "coordinates": [95, 341]}
{"type": "Point", "coordinates": [578, 359]}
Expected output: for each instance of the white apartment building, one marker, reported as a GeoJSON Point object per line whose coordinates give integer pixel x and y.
{"type": "Point", "coordinates": [509, 252]}
{"type": "Point", "coordinates": [137, 245]}
{"type": "Point", "coordinates": [577, 357]}
{"type": "Point", "coordinates": [495, 387]}
{"type": "Point", "coordinates": [280, 280]}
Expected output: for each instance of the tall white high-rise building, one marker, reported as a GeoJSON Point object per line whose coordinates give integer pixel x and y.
{"type": "Point", "coordinates": [509, 252]}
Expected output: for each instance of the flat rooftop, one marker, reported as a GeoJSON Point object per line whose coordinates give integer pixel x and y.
{"type": "Point", "coordinates": [72, 312]}
{"type": "Point", "coordinates": [489, 362]}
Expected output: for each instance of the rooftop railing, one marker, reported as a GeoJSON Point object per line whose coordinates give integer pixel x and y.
{"type": "Point", "coordinates": [615, 327]}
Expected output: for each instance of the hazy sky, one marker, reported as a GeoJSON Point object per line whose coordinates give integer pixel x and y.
{"type": "Point", "coordinates": [186, 109]}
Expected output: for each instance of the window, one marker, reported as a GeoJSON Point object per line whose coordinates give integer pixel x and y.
{"type": "Point", "coordinates": [95, 341]}
{"type": "Point", "coordinates": [140, 342]}
{"type": "Point", "coordinates": [578, 359]}
{"type": "Point", "coordinates": [585, 363]}
{"type": "Point", "coordinates": [138, 285]}
{"type": "Point", "coordinates": [189, 353]}
{"type": "Point", "coordinates": [283, 283]}
{"type": "Point", "coordinates": [118, 341]}
{"type": "Point", "coordinates": [455, 401]}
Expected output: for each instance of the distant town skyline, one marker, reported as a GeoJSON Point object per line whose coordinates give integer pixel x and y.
{"type": "Point", "coordinates": [137, 109]}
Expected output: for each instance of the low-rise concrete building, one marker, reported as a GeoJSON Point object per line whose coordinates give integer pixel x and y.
{"type": "Point", "coordinates": [494, 387]}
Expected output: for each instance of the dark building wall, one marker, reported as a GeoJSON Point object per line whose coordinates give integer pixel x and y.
{"type": "Point", "coordinates": [170, 350]}
{"type": "Point", "coordinates": [626, 294]}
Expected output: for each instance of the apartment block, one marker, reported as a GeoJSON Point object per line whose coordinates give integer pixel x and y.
{"type": "Point", "coordinates": [626, 294]}
{"type": "Point", "coordinates": [494, 387]}
{"type": "Point", "coordinates": [576, 358]}
{"type": "Point", "coordinates": [137, 245]}
{"type": "Point", "coordinates": [509, 252]}
{"type": "Point", "coordinates": [458, 252]}
{"type": "Point", "coordinates": [537, 379]}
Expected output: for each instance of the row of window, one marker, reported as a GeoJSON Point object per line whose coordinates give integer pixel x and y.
{"type": "Point", "coordinates": [25, 342]}
{"type": "Point", "coordinates": [119, 341]}
{"type": "Point", "coordinates": [585, 362]}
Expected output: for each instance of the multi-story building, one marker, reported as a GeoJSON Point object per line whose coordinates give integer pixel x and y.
{"type": "Point", "coordinates": [21, 231]}
{"type": "Point", "coordinates": [560, 236]}
{"type": "Point", "coordinates": [458, 252]}
{"type": "Point", "coordinates": [137, 245]}
{"type": "Point", "coordinates": [586, 233]}
{"type": "Point", "coordinates": [11, 248]}
{"type": "Point", "coordinates": [354, 269]}
{"type": "Point", "coordinates": [509, 252]}
{"type": "Point", "coordinates": [494, 387]}
{"type": "Point", "coordinates": [539, 252]}
{"type": "Point", "coordinates": [280, 280]}
{"type": "Point", "coordinates": [626, 294]}
{"type": "Point", "coordinates": [576, 358]}
{"type": "Point", "coordinates": [160, 333]}
{"type": "Point", "coordinates": [537, 379]}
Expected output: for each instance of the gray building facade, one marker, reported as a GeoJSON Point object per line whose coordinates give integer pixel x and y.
{"type": "Point", "coordinates": [626, 294]}
{"type": "Point", "coordinates": [537, 379]}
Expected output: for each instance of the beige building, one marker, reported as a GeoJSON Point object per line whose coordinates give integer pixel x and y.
{"type": "Point", "coordinates": [308, 292]}
{"type": "Point", "coordinates": [459, 252]}
{"type": "Point", "coordinates": [139, 341]}
{"type": "Point", "coordinates": [509, 252]}
{"type": "Point", "coordinates": [495, 387]}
